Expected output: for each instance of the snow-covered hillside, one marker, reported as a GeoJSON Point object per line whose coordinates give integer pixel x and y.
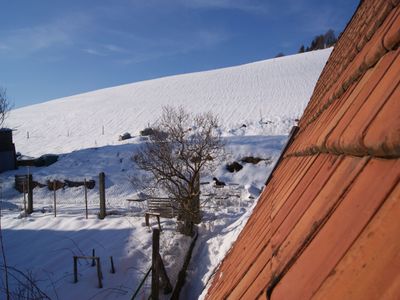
{"type": "Point", "coordinates": [265, 96]}
{"type": "Point", "coordinates": [272, 90]}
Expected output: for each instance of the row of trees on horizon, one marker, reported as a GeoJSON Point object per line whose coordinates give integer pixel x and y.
{"type": "Point", "coordinates": [321, 41]}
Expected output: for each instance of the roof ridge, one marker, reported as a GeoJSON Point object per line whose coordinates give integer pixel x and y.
{"type": "Point", "coordinates": [312, 151]}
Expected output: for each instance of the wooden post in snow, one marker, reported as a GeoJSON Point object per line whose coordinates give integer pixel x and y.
{"type": "Point", "coordinates": [155, 285]}
{"type": "Point", "coordinates": [102, 191]}
{"type": "Point", "coordinates": [86, 205]}
{"type": "Point", "coordinates": [98, 265]}
{"type": "Point", "coordinates": [93, 255]}
{"type": "Point", "coordinates": [24, 189]}
{"type": "Point", "coordinates": [112, 270]}
{"type": "Point", "coordinates": [166, 284]}
{"type": "Point", "coordinates": [30, 194]}
{"type": "Point", "coordinates": [75, 269]}
{"type": "Point", "coordinates": [55, 200]}
{"type": "Point", "coordinates": [99, 274]}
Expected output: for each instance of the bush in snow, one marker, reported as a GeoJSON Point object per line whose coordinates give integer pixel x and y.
{"type": "Point", "coordinates": [124, 136]}
{"type": "Point", "coordinates": [147, 131]}
{"type": "Point", "coordinates": [234, 167]}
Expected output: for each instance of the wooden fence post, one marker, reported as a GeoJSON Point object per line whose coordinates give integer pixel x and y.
{"type": "Point", "coordinates": [155, 284]}
{"type": "Point", "coordinates": [75, 269]}
{"type": "Point", "coordinates": [55, 202]}
{"type": "Point", "coordinates": [86, 205]}
{"type": "Point", "coordinates": [24, 188]}
{"type": "Point", "coordinates": [99, 274]}
{"type": "Point", "coordinates": [166, 284]}
{"type": "Point", "coordinates": [98, 268]}
{"type": "Point", "coordinates": [93, 255]}
{"type": "Point", "coordinates": [112, 265]}
{"type": "Point", "coordinates": [30, 194]}
{"type": "Point", "coordinates": [102, 191]}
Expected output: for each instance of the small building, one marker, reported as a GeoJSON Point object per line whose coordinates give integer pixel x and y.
{"type": "Point", "coordinates": [7, 151]}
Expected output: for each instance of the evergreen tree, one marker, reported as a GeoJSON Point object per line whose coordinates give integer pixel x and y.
{"type": "Point", "coordinates": [330, 38]}
{"type": "Point", "coordinates": [321, 41]}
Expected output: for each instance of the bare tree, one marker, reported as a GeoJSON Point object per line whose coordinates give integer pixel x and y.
{"type": "Point", "coordinates": [4, 106]}
{"type": "Point", "coordinates": [182, 145]}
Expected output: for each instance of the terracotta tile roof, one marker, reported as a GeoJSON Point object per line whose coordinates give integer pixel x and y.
{"type": "Point", "coordinates": [327, 223]}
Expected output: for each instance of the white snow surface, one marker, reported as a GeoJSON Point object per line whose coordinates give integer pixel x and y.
{"type": "Point", "coordinates": [265, 96]}
{"type": "Point", "coordinates": [275, 90]}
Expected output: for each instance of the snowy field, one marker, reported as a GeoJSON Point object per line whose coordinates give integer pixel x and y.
{"type": "Point", "coordinates": [275, 91]}
{"type": "Point", "coordinates": [44, 244]}
{"type": "Point", "coordinates": [265, 96]}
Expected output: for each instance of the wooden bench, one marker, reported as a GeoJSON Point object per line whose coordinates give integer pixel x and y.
{"type": "Point", "coordinates": [162, 206]}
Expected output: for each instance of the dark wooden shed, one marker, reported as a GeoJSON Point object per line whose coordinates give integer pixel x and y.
{"type": "Point", "coordinates": [7, 150]}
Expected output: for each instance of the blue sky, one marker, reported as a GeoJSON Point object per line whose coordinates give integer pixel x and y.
{"type": "Point", "coordinates": [54, 48]}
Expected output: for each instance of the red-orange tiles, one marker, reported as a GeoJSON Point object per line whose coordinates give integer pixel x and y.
{"type": "Point", "coordinates": [261, 269]}
{"type": "Point", "coordinates": [309, 217]}
{"type": "Point", "coordinates": [308, 137]}
{"type": "Point", "coordinates": [314, 133]}
{"type": "Point", "coordinates": [351, 70]}
{"type": "Point", "coordinates": [256, 247]}
{"type": "Point", "coordinates": [284, 176]}
{"type": "Point", "coordinates": [351, 139]}
{"type": "Point", "coordinates": [383, 135]}
{"type": "Point", "coordinates": [252, 242]}
{"type": "Point", "coordinates": [358, 206]}
{"type": "Point", "coordinates": [370, 268]}
{"type": "Point", "coordinates": [306, 190]}
{"type": "Point", "coordinates": [333, 140]}
{"type": "Point", "coordinates": [243, 267]}
{"type": "Point", "coordinates": [340, 108]}
{"type": "Point", "coordinates": [392, 37]}
{"type": "Point", "coordinates": [257, 286]}
{"type": "Point", "coordinates": [255, 237]}
{"type": "Point", "coordinates": [257, 234]}
{"type": "Point", "coordinates": [296, 177]}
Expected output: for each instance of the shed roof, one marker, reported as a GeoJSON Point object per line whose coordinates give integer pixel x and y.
{"type": "Point", "coordinates": [327, 224]}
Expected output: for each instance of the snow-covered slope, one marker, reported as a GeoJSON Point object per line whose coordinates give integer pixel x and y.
{"type": "Point", "coordinates": [274, 90]}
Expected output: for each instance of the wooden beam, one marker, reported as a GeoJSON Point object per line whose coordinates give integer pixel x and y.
{"type": "Point", "coordinates": [155, 284]}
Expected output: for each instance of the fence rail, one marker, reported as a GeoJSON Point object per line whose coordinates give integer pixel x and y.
{"type": "Point", "coordinates": [25, 184]}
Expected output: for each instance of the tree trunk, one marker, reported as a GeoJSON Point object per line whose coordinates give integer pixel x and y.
{"type": "Point", "coordinates": [185, 219]}
{"type": "Point", "coordinates": [186, 227]}
{"type": "Point", "coordinates": [190, 210]}
{"type": "Point", "coordinates": [195, 201]}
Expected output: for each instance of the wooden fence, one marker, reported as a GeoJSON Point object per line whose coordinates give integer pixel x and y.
{"type": "Point", "coordinates": [25, 184]}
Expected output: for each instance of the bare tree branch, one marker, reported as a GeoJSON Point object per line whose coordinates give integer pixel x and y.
{"type": "Point", "coordinates": [181, 147]}
{"type": "Point", "coordinates": [5, 106]}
